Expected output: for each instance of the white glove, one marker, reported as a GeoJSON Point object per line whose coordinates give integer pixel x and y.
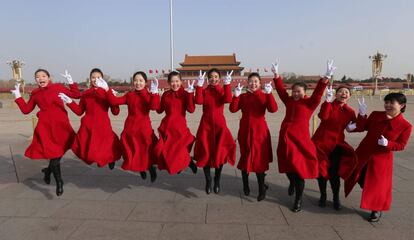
{"type": "Point", "coordinates": [102, 84]}
{"type": "Point", "coordinates": [114, 92]}
{"type": "Point", "coordinates": [227, 79]}
{"type": "Point", "coordinates": [268, 88]}
{"type": "Point", "coordinates": [154, 86]}
{"type": "Point", "coordinates": [65, 98]}
{"type": "Point", "coordinates": [329, 94]}
{"type": "Point", "coordinates": [200, 80]}
{"type": "Point", "coordinates": [351, 127]}
{"type": "Point", "coordinates": [190, 88]}
{"type": "Point", "coordinates": [275, 68]}
{"type": "Point", "coordinates": [383, 141]}
{"type": "Point", "coordinates": [330, 68]}
{"type": "Point", "coordinates": [67, 76]}
{"type": "Point", "coordinates": [238, 90]}
{"type": "Point", "coordinates": [362, 107]}
{"type": "Point", "coordinates": [16, 91]}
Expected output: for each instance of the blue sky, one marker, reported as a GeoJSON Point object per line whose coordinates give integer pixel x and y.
{"type": "Point", "coordinates": [123, 36]}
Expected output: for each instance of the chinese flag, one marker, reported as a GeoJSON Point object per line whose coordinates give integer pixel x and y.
{"type": "Point", "coordinates": [150, 71]}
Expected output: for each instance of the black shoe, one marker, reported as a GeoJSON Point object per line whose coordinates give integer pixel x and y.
{"type": "Point", "coordinates": [291, 189]}
{"type": "Point", "coordinates": [153, 174]}
{"type": "Point", "coordinates": [375, 216]}
{"type": "Point", "coordinates": [246, 188]}
{"type": "Point", "coordinates": [262, 186]}
{"type": "Point", "coordinates": [322, 200]}
{"type": "Point", "coordinates": [216, 186]}
{"type": "Point", "coordinates": [297, 206]}
{"type": "Point", "coordinates": [143, 175]}
{"type": "Point", "coordinates": [208, 185]}
{"type": "Point", "coordinates": [59, 188]}
{"type": "Point", "coordinates": [193, 167]}
{"type": "Point", "coordinates": [47, 173]}
{"type": "Point", "coordinates": [111, 165]}
{"type": "Point", "coordinates": [337, 203]}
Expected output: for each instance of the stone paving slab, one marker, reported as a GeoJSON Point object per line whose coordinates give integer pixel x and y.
{"type": "Point", "coordinates": [357, 233]}
{"type": "Point", "coordinates": [191, 231]}
{"type": "Point", "coordinates": [30, 207]}
{"type": "Point", "coordinates": [265, 232]}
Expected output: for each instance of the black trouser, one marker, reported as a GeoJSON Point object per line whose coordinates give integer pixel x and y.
{"type": "Point", "coordinates": [298, 183]}
{"type": "Point", "coordinates": [334, 179]}
{"type": "Point", "coordinates": [217, 172]}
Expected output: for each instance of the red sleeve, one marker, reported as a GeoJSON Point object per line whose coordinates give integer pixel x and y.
{"type": "Point", "coordinates": [26, 108]}
{"type": "Point", "coordinates": [325, 111]}
{"type": "Point", "coordinates": [77, 109]}
{"type": "Point", "coordinates": [235, 104]}
{"type": "Point", "coordinates": [115, 110]}
{"type": "Point", "coordinates": [281, 90]}
{"type": "Point", "coordinates": [316, 96]}
{"type": "Point", "coordinates": [199, 98]}
{"type": "Point", "coordinates": [401, 142]}
{"type": "Point", "coordinates": [154, 101]}
{"type": "Point", "coordinates": [190, 102]}
{"type": "Point", "coordinates": [271, 103]}
{"type": "Point", "coordinates": [114, 100]}
{"type": "Point", "coordinates": [161, 107]}
{"type": "Point", "coordinates": [227, 93]}
{"type": "Point", "coordinates": [362, 123]}
{"type": "Point", "coordinates": [72, 92]}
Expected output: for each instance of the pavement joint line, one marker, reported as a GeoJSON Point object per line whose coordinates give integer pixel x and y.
{"type": "Point", "coordinates": [14, 164]}
{"type": "Point", "coordinates": [284, 217]}
{"type": "Point", "coordinates": [132, 210]}
{"type": "Point", "coordinates": [336, 232]}
{"type": "Point", "coordinates": [205, 218]}
{"type": "Point", "coordinates": [248, 232]}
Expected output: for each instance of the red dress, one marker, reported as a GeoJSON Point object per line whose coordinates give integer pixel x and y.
{"type": "Point", "coordinates": [296, 152]}
{"type": "Point", "coordinates": [254, 135]}
{"type": "Point", "coordinates": [214, 145]}
{"type": "Point", "coordinates": [138, 138]}
{"type": "Point", "coordinates": [95, 140]}
{"type": "Point", "coordinates": [330, 135]}
{"type": "Point", "coordinates": [175, 139]}
{"type": "Point", "coordinates": [53, 134]}
{"type": "Point", "coordinates": [378, 160]}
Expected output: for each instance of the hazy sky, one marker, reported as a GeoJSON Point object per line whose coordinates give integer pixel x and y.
{"type": "Point", "coordinates": [123, 36]}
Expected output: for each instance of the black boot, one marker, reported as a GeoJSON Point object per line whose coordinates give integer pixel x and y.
{"type": "Point", "coordinates": [262, 186]}
{"type": "Point", "coordinates": [206, 171]}
{"type": "Point", "coordinates": [245, 178]}
{"type": "Point", "coordinates": [299, 186]}
{"type": "Point", "coordinates": [322, 189]}
{"type": "Point", "coordinates": [143, 175]}
{"type": "Point", "coordinates": [46, 172]}
{"type": "Point", "coordinates": [192, 166]}
{"type": "Point", "coordinates": [55, 168]}
{"type": "Point", "coordinates": [217, 176]}
{"type": "Point", "coordinates": [153, 173]}
{"type": "Point", "coordinates": [111, 165]}
{"type": "Point", "coordinates": [335, 185]}
{"type": "Point", "coordinates": [291, 189]}
{"type": "Point", "coordinates": [375, 216]}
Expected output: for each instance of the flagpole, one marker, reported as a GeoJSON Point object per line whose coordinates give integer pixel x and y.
{"type": "Point", "coordinates": [171, 37]}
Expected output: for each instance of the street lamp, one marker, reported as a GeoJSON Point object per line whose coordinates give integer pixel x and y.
{"type": "Point", "coordinates": [377, 61]}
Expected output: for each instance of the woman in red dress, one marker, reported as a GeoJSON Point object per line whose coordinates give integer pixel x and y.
{"type": "Point", "coordinates": [53, 134]}
{"type": "Point", "coordinates": [336, 157]}
{"type": "Point", "coordinates": [296, 153]}
{"type": "Point", "coordinates": [175, 139]}
{"type": "Point", "coordinates": [138, 138]}
{"type": "Point", "coordinates": [214, 145]}
{"type": "Point", "coordinates": [254, 135]}
{"type": "Point", "coordinates": [95, 141]}
{"type": "Point", "coordinates": [387, 131]}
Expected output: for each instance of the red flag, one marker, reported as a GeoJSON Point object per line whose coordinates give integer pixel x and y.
{"type": "Point", "coordinates": [156, 71]}
{"type": "Point", "coordinates": [150, 71]}
{"type": "Point", "coordinates": [258, 70]}
{"type": "Point", "coordinates": [163, 71]}
{"type": "Point", "coordinates": [265, 69]}
{"type": "Point", "coordinates": [169, 70]}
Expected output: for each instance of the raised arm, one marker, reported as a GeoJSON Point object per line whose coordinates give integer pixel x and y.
{"type": "Point", "coordinates": [24, 107]}
{"type": "Point", "coordinates": [325, 111]}
{"type": "Point", "coordinates": [199, 98]}
{"type": "Point", "coordinates": [235, 103]}
{"type": "Point", "coordinates": [73, 91]}
{"type": "Point", "coordinates": [271, 104]}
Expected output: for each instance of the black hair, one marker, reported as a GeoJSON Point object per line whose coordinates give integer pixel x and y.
{"type": "Point", "coordinates": [300, 84]}
{"type": "Point", "coordinates": [254, 74]}
{"type": "Point", "coordinates": [213, 70]}
{"type": "Point", "coordinates": [172, 74]}
{"type": "Point", "coordinates": [96, 70]}
{"type": "Point", "coordinates": [139, 73]}
{"type": "Point", "coordinates": [398, 97]}
{"type": "Point", "coordinates": [342, 86]}
{"type": "Point", "coordinates": [42, 70]}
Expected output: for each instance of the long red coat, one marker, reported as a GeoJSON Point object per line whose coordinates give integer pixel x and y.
{"type": "Point", "coordinates": [53, 134]}
{"type": "Point", "coordinates": [254, 135]}
{"type": "Point", "coordinates": [214, 145]}
{"type": "Point", "coordinates": [377, 191]}
{"type": "Point", "coordinates": [296, 152]}
{"type": "Point", "coordinates": [95, 141]}
{"type": "Point", "coordinates": [175, 139]}
{"type": "Point", "coordinates": [138, 138]}
{"type": "Point", "coordinates": [330, 135]}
